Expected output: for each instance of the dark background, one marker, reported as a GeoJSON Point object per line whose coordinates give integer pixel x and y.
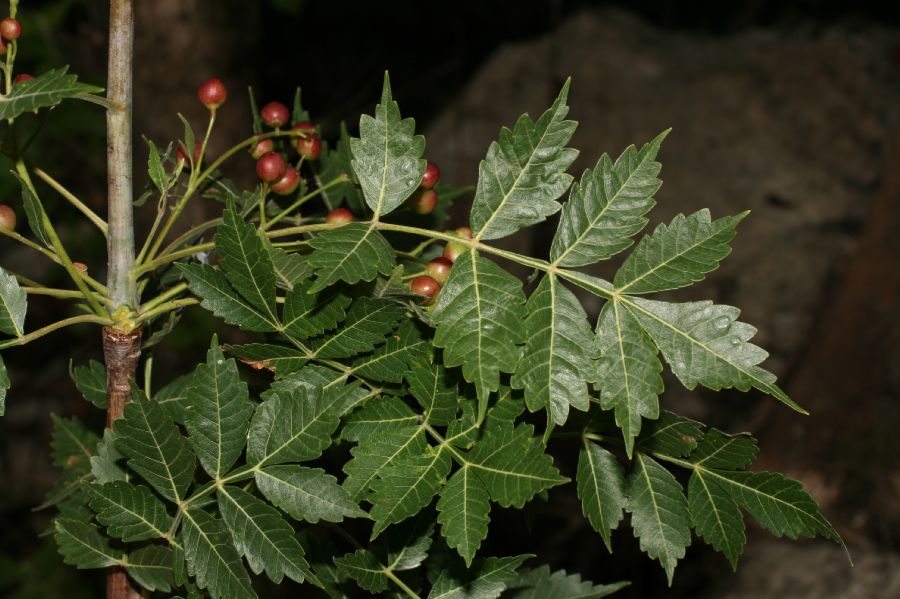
{"type": "Point", "coordinates": [788, 108]}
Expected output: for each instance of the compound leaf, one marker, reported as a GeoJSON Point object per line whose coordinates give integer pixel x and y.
{"type": "Point", "coordinates": [368, 321]}
{"type": "Point", "coordinates": [211, 557]}
{"type": "Point", "coordinates": [44, 91]}
{"type": "Point", "coordinates": [220, 298]}
{"type": "Point", "coordinates": [407, 485]}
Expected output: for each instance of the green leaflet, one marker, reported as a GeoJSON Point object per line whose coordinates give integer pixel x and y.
{"type": "Point", "coordinates": [262, 536]}
{"type": "Point", "coordinates": [378, 417]}
{"type": "Point", "coordinates": [608, 206]}
{"type": "Point", "coordinates": [352, 253]}
{"type": "Point", "coordinates": [155, 167]}
{"type": "Point", "coordinates": [151, 567]}
{"type": "Point", "coordinates": [220, 298]}
{"type": "Point", "coordinates": [173, 398]}
{"type": "Point", "coordinates": [479, 316]}
{"type": "Point", "coordinates": [407, 485]}
{"type": "Point", "coordinates": [715, 516]}
{"type": "Point", "coordinates": [211, 557]}
{"type": "Point", "coordinates": [601, 488]}
{"type": "Point", "coordinates": [13, 305]}
{"type": "Point", "coordinates": [679, 254]}
{"type": "Point", "coordinates": [44, 91]}
{"type": "Point", "coordinates": [705, 344]}
{"type": "Point", "coordinates": [72, 443]}
{"type": "Point", "coordinates": [524, 173]}
{"type": "Point", "coordinates": [540, 583]}
{"type": "Point", "coordinates": [629, 373]}
{"type": "Point", "coordinates": [368, 322]}
{"type": "Point", "coordinates": [389, 361]}
{"type": "Point", "coordinates": [402, 549]}
{"type": "Point", "coordinates": [131, 513]}
{"type": "Point", "coordinates": [306, 493]}
{"type": "Point", "coordinates": [486, 579]}
{"type": "Point", "coordinates": [670, 435]}
{"type": "Point", "coordinates": [154, 447]}
{"type": "Point", "coordinates": [463, 512]}
{"type": "Point", "coordinates": [82, 545]}
{"type": "Point", "coordinates": [433, 388]}
{"type": "Point", "coordinates": [292, 426]}
{"type": "Point", "coordinates": [659, 513]}
{"type": "Point", "coordinates": [387, 157]}
{"type": "Point", "coordinates": [290, 269]}
{"type": "Point", "coordinates": [559, 358]}
{"type": "Point", "coordinates": [220, 412]}
{"type": "Point", "coordinates": [309, 314]}
{"type": "Point", "coordinates": [513, 466]}
{"type": "Point", "coordinates": [377, 452]}
{"type": "Point", "coordinates": [364, 568]}
{"type": "Point", "coordinates": [105, 466]}
{"type": "Point", "coordinates": [246, 264]}
{"type": "Point", "coordinates": [719, 450]}
{"type": "Point", "coordinates": [91, 382]}
{"type": "Point", "coordinates": [280, 359]}
{"type": "Point", "coordinates": [34, 213]}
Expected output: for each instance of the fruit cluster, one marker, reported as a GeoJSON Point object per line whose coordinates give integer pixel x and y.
{"type": "Point", "coordinates": [438, 269]}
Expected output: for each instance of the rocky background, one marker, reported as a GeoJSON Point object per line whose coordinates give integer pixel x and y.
{"type": "Point", "coordinates": [791, 111]}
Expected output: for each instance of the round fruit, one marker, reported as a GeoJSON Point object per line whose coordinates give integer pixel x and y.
{"type": "Point", "coordinates": [439, 269]}
{"type": "Point", "coordinates": [80, 267]}
{"type": "Point", "coordinates": [431, 175]}
{"type": "Point", "coordinates": [339, 216]}
{"type": "Point", "coordinates": [304, 127]}
{"type": "Point", "coordinates": [212, 93]}
{"type": "Point", "coordinates": [310, 146]}
{"type": "Point", "coordinates": [10, 29]}
{"type": "Point", "coordinates": [464, 232]}
{"type": "Point", "coordinates": [453, 250]}
{"type": "Point", "coordinates": [21, 77]}
{"type": "Point", "coordinates": [288, 183]}
{"type": "Point", "coordinates": [270, 167]}
{"type": "Point", "coordinates": [423, 201]}
{"type": "Point", "coordinates": [275, 114]}
{"type": "Point", "coordinates": [181, 154]}
{"type": "Point", "coordinates": [263, 146]}
{"type": "Point", "coordinates": [426, 286]}
{"type": "Point", "coordinates": [7, 218]}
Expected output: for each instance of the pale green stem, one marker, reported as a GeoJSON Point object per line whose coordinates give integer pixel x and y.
{"type": "Point", "coordinates": [302, 201]}
{"type": "Point", "coordinates": [165, 296]}
{"type": "Point", "coordinates": [68, 195]}
{"type": "Point", "coordinates": [53, 327]}
{"type": "Point", "coordinates": [30, 244]}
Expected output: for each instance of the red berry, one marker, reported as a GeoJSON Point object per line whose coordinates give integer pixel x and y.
{"type": "Point", "coordinates": [431, 175]}
{"type": "Point", "coordinates": [270, 167]}
{"type": "Point", "coordinates": [263, 146]}
{"type": "Point", "coordinates": [439, 269]}
{"type": "Point", "coordinates": [7, 218]}
{"type": "Point", "coordinates": [339, 216]}
{"type": "Point", "coordinates": [453, 250]}
{"type": "Point", "coordinates": [288, 183]}
{"type": "Point", "coordinates": [464, 232]}
{"type": "Point", "coordinates": [80, 267]}
{"type": "Point", "coordinates": [426, 286]}
{"type": "Point", "coordinates": [22, 77]}
{"type": "Point", "coordinates": [423, 201]}
{"type": "Point", "coordinates": [275, 114]}
{"type": "Point", "coordinates": [304, 127]}
{"type": "Point", "coordinates": [212, 93]}
{"type": "Point", "coordinates": [10, 29]}
{"type": "Point", "coordinates": [181, 155]}
{"type": "Point", "coordinates": [310, 146]}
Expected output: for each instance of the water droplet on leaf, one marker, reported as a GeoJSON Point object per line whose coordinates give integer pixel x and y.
{"type": "Point", "coordinates": [722, 323]}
